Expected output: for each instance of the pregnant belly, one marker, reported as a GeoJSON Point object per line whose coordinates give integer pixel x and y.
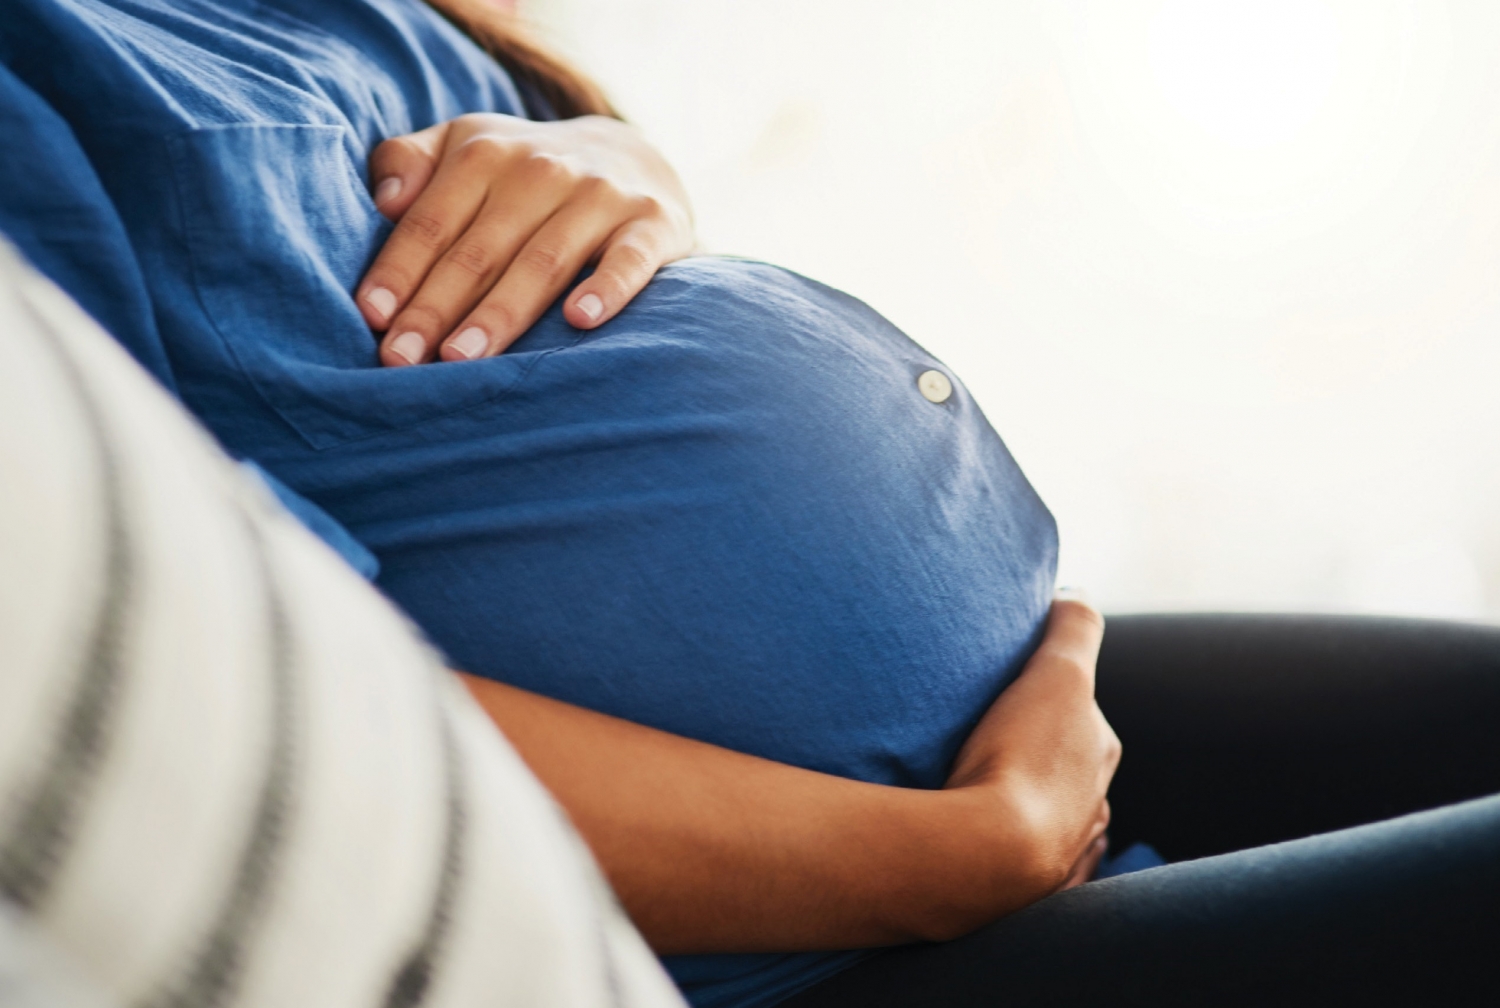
{"type": "Point", "coordinates": [737, 512]}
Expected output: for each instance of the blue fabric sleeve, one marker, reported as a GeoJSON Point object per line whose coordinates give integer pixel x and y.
{"type": "Point", "coordinates": [321, 523]}
{"type": "Point", "coordinates": [54, 209]}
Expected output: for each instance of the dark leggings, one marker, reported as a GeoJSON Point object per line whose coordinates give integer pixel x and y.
{"type": "Point", "coordinates": [1242, 733]}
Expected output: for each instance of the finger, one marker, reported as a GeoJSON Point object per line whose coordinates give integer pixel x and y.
{"type": "Point", "coordinates": [468, 172]}
{"type": "Point", "coordinates": [401, 167]}
{"type": "Point", "coordinates": [632, 255]}
{"type": "Point", "coordinates": [1088, 864]}
{"type": "Point", "coordinates": [533, 281]}
{"type": "Point", "coordinates": [1076, 605]}
{"type": "Point", "coordinates": [422, 235]}
{"type": "Point", "coordinates": [1095, 845]}
{"type": "Point", "coordinates": [1111, 743]}
{"type": "Point", "coordinates": [1075, 631]}
{"type": "Point", "coordinates": [461, 277]}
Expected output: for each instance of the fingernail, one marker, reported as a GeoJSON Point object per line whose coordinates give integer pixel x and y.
{"type": "Point", "coordinates": [591, 306]}
{"type": "Point", "coordinates": [408, 346]}
{"type": "Point", "coordinates": [388, 190]}
{"type": "Point", "coordinates": [470, 343]}
{"type": "Point", "coordinates": [382, 300]}
{"type": "Point", "coordinates": [1070, 593]}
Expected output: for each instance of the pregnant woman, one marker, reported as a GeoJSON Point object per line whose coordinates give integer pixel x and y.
{"type": "Point", "coordinates": [740, 569]}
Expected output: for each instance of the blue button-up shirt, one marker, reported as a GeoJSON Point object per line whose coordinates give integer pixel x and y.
{"type": "Point", "coordinates": [730, 513]}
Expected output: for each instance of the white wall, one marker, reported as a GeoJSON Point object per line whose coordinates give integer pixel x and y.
{"type": "Point", "coordinates": [1225, 274]}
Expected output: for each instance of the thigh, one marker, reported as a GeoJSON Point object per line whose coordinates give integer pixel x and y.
{"type": "Point", "coordinates": [1241, 730]}
{"type": "Point", "coordinates": [1399, 912]}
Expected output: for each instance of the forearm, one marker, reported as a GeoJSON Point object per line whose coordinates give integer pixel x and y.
{"type": "Point", "coordinates": [712, 850]}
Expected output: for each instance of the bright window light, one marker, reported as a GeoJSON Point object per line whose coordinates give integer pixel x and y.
{"type": "Point", "coordinates": [1225, 274]}
{"type": "Point", "coordinates": [1252, 73]}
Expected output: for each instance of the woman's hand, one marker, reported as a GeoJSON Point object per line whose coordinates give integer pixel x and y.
{"type": "Point", "coordinates": [715, 851]}
{"type": "Point", "coordinates": [496, 215]}
{"type": "Point", "coordinates": [1046, 746]}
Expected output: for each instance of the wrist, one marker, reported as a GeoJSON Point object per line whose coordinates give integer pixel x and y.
{"type": "Point", "coordinates": [1020, 860]}
{"type": "Point", "coordinates": [976, 853]}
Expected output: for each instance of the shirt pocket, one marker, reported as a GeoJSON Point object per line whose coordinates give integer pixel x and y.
{"type": "Point", "coordinates": [279, 229]}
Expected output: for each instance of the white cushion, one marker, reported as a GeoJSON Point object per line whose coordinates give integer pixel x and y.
{"type": "Point", "coordinates": [230, 772]}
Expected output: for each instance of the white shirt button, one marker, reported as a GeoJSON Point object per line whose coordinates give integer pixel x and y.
{"type": "Point", "coordinates": [934, 386]}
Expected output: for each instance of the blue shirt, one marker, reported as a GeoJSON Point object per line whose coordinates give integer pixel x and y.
{"type": "Point", "coordinates": [729, 513]}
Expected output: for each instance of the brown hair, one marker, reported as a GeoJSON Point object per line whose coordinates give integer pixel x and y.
{"type": "Point", "coordinates": [501, 34]}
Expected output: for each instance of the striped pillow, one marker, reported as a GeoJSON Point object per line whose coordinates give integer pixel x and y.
{"type": "Point", "coordinates": [230, 772]}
